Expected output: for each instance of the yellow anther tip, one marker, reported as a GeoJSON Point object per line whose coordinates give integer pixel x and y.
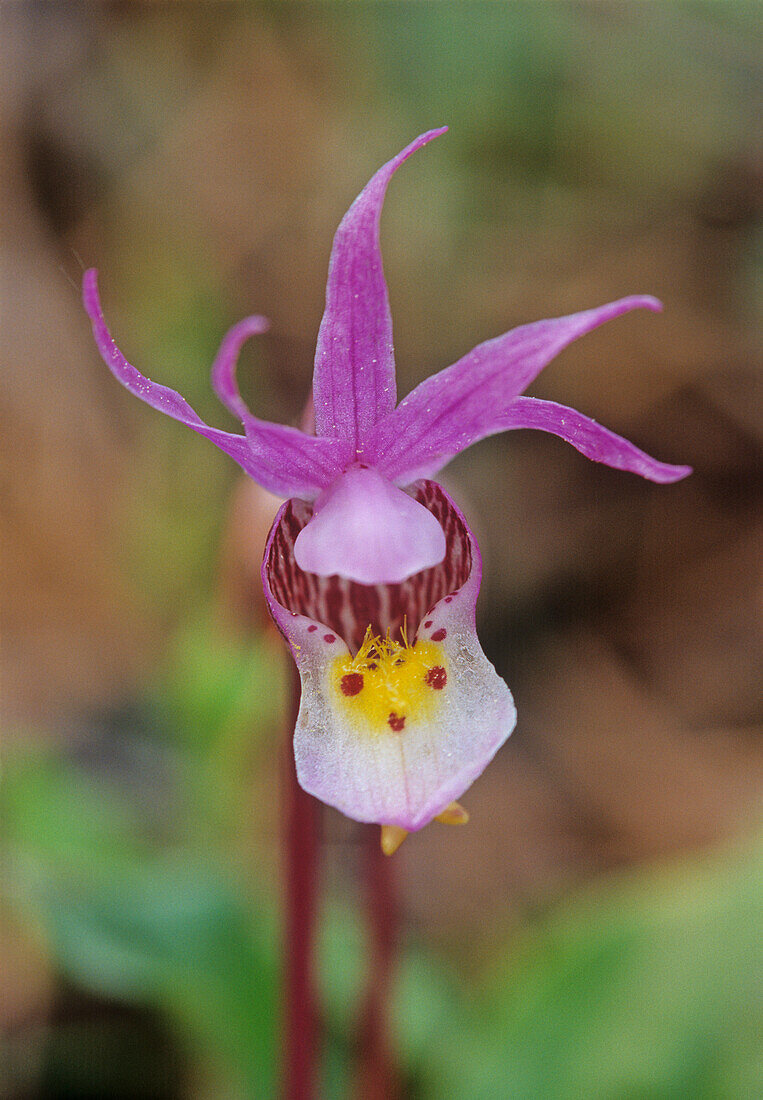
{"type": "Point", "coordinates": [392, 836]}
{"type": "Point", "coordinates": [454, 814]}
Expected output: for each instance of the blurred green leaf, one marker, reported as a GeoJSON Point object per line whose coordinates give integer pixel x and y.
{"type": "Point", "coordinates": [170, 930]}
{"type": "Point", "coordinates": [218, 690]}
{"type": "Point", "coordinates": [220, 701]}
{"type": "Point", "coordinates": [641, 990]}
{"type": "Point", "coordinates": [182, 936]}
{"type": "Point", "coordinates": [66, 817]}
{"type": "Point", "coordinates": [125, 876]}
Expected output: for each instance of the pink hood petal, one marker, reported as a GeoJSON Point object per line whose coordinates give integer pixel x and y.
{"type": "Point", "coordinates": [366, 529]}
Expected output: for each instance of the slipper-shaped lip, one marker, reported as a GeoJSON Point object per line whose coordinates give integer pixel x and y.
{"type": "Point", "coordinates": [460, 713]}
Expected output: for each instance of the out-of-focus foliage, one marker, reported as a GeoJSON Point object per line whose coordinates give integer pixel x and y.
{"type": "Point", "coordinates": [642, 987]}
{"type": "Point", "coordinates": [129, 866]}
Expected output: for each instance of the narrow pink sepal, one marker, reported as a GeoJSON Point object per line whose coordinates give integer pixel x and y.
{"type": "Point", "coordinates": [223, 373]}
{"type": "Point", "coordinates": [354, 377]}
{"type": "Point", "coordinates": [282, 459]}
{"type": "Point", "coordinates": [466, 402]}
{"type": "Point", "coordinates": [591, 439]}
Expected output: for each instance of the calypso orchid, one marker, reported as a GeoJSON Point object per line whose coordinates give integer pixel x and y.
{"type": "Point", "coordinates": [371, 571]}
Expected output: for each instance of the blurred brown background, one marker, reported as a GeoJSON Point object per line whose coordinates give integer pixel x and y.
{"type": "Point", "coordinates": [201, 157]}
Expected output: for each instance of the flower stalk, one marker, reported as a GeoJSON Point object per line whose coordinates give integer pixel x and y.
{"type": "Point", "coordinates": [300, 1016]}
{"type": "Point", "coordinates": [377, 1073]}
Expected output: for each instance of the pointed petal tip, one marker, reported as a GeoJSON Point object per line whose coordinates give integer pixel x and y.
{"type": "Point", "coordinates": [453, 814]}
{"type": "Point", "coordinates": [90, 291]}
{"type": "Point", "coordinates": [392, 836]}
{"type": "Point", "coordinates": [630, 302]}
{"type": "Point", "coordinates": [354, 376]}
{"type": "Point", "coordinates": [223, 373]}
{"type": "Point", "coordinates": [250, 326]}
{"type": "Point", "coordinates": [669, 474]}
{"type": "Point", "coordinates": [416, 144]}
{"type": "Point", "coordinates": [647, 301]}
{"type": "Point", "coordinates": [590, 438]}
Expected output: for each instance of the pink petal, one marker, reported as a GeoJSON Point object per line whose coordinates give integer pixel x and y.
{"type": "Point", "coordinates": [224, 367]}
{"type": "Point", "coordinates": [588, 437]}
{"type": "Point", "coordinates": [282, 459]}
{"type": "Point", "coordinates": [464, 403]}
{"type": "Point", "coordinates": [366, 529]}
{"type": "Point", "coordinates": [376, 773]}
{"type": "Point", "coordinates": [354, 379]}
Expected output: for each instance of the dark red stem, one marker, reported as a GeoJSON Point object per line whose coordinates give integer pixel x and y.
{"type": "Point", "coordinates": [301, 817]}
{"type": "Point", "coordinates": [377, 1076]}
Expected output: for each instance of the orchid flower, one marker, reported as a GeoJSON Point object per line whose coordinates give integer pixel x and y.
{"type": "Point", "coordinates": [370, 570]}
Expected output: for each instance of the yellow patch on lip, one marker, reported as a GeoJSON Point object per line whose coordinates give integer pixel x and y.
{"type": "Point", "coordinates": [389, 683]}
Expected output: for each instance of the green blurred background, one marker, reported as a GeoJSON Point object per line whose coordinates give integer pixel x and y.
{"type": "Point", "coordinates": [592, 932]}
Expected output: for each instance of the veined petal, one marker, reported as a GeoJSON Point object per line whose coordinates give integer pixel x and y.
{"type": "Point", "coordinates": [366, 529]}
{"type": "Point", "coordinates": [388, 742]}
{"type": "Point", "coordinates": [588, 437]}
{"type": "Point", "coordinates": [464, 403]}
{"type": "Point", "coordinates": [282, 459]}
{"type": "Point", "coordinates": [354, 378]}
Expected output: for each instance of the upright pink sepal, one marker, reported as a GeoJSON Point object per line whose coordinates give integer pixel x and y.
{"type": "Point", "coordinates": [354, 377]}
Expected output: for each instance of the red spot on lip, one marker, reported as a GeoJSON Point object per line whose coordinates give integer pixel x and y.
{"type": "Point", "coordinates": [439, 634]}
{"type": "Point", "coordinates": [312, 628]}
{"type": "Point", "coordinates": [329, 638]}
{"type": "Point", "coordinates": [437, 677]}
{"type": "Point", "coordinates": [449, 599]}
{"type": "Point", "coordinates": [352, 683]}
{"type": "Point", "coordinates": [428, 623]}
{"type": "Point", "coordinates": [396, 722]}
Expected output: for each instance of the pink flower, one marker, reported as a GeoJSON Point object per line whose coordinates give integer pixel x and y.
{"type": "Point", "coordinates": [370, 570]}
